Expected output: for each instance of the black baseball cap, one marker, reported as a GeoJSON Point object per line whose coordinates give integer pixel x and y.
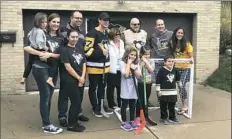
{"type": "Point", "coordinates": [104, 15]}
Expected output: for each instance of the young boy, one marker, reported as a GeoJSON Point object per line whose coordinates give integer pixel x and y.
{"type": "Point", "coordinates": [166, 80]}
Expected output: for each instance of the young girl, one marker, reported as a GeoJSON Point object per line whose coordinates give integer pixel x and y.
{"type": "Point", "coordinates": [182, 48]}
{"type": "Point", "coordinates": [128, 95]}
{"type": "Point", "coordinates": [37, 39]}
{"type": "Point", "coordinates": [148, 67]}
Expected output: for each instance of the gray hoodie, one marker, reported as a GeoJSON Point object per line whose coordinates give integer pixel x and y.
{"type": "Point", "coordinates": [158, 43]}
{"type": "Point", "coordinates": [37, 39]}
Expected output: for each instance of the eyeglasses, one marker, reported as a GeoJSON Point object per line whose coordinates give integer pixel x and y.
{"type": "Point", "coordinates": [80, 18]}
{"type": "Point", "coordinates": [106, 19]}
{"type": "Point", "coordinates": [136, 24]}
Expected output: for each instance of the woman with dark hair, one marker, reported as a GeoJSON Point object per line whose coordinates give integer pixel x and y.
{"type": "Point", "coordinates": [116, 51]}
{"type": "Point", "coordinates": [72, 76]}
{"type": "Point", "coordinates": [181, 48]}
{"type": "Point", "coordinates": [40, 70]}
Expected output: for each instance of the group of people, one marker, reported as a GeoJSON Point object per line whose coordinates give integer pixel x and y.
{"type": "Point", "coordinates": [110, 57]}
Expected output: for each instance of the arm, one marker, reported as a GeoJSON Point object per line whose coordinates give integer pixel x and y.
{"type": "Point", "coordinates": [137, 72]}
{"type": "Point", "coordinates": [65, 59]}
{"type": "Point", "coordinates": [41, 40]}
{"type": "Point", "coordinates": [126, 72]}
{"type": "Point", "coordinates": [71, 71]}
{"type": "Point", "coordinates": [83, 70]}
{"type": "Point", "coordinates": [148, 66]}
{"type": "Point", "coordinates": [32, 51]}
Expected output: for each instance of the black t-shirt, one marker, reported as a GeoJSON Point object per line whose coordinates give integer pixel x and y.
{"type": "Point", "coordinates": [54, 43]}
{"type": "Point", "coordinates": [76, 58]}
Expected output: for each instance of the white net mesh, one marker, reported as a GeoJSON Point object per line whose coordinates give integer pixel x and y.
{"type": "Point", "coordinates": [187, 76]}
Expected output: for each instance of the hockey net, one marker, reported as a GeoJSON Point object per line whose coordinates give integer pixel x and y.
{"type": "Point", "coordinates": [189, 86]}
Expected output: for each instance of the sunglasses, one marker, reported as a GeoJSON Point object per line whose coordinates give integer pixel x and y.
{"type": "Point", "coordinates": [136, 24]}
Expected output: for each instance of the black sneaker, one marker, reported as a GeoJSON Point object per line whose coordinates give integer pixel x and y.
{"type": "Point", "coordinates": [52, 129]}
{"type": "Point", "coordinates": [83, 118]}
{"type": "Point", "coordinates": [76, 128]}
{"type": "Point", "coordinates": [97, 113]}
{"type": "Point", "coordinates": [108, 111]}
{"type": "Point", "coordinates": [63, 122]}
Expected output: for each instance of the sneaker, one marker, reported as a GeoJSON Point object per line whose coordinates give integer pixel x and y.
{"type": "Point", "coordinates": [76, 128]}
{"type": "Point", "coordinates": [108, 111]}
{"type": "Point", "coordinates": [133, 125]}
{"type": "Point", "coordinates": [174, 121]}
{"type": "Point", "coordinates": [137, 121]}
{"type": "Point", "coordinates": [150, 105]}
{"type": "Point", "coordinates": [63, 121]}
{"type": "Point", "coordinates": [97, 113]}
{"type": "Point", "coordinates": [126, 126]}
{"type": "Point", "coordinates": [83, 118]}
{"type": "Point", "coordinates": [52, 129]}
{"type": "Point", "coordinates": [164, 121]}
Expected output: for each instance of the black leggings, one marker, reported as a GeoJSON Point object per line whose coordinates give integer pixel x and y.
{"type": "Point", "coordinates": [132, 103]}
{"type": "Point", "coordinates": [141, 96]}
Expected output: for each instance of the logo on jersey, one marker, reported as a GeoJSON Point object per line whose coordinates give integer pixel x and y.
{"type": "Point", "coordinates": [53, 45]}
{"type": "Point", "coordinates": [170, 77]}
{"type": "Point", "coordinates": [78, 58]}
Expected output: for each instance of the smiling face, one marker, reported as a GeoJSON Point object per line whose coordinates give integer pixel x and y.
{"type": "Point", "coordinates": [179, 34]}
{"type": "Point", "coordinates": [76, 19]}
{"type": "Point", "coordinates": [104, 23]}
{"type": "Point", "coordinates": [169, 63]}
{"type": "Point", "coordinates": [54, 24]}
{"type": "Point", "coordinates": [73, 38]}
{"type": "Point", "coordinates": [160, 25]}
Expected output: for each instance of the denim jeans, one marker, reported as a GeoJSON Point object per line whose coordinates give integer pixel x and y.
{"type": "Point", "coordinates": [45, 92]}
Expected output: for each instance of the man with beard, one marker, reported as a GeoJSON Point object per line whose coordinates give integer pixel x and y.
{"type": "Point", "coordinates": [76, 20]}
{"type": "Point", "coordinates": [96, 51]}
{"type": "Point", "coordinates": [135, 35]}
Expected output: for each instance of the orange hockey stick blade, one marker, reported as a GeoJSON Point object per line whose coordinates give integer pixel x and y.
{"type": "Point", "coordinates": [142, 124]}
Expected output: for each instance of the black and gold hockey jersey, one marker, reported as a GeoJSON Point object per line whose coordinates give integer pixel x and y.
{"type": "Point", "coordinates": [95, 59]}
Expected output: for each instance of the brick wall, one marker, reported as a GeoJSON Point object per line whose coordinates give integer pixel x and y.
{"type": "Point", "coordinates": [206, 30]}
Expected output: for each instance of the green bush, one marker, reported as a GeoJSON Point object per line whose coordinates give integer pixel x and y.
{"type": "Point", "coordinates": [221, 78]}
{"type": "Point", "coordinates": [225, 30]}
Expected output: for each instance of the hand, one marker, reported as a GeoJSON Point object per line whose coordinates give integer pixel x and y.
{"type": "Point", "coordinates": [105, 52]}
{"type": "Point", "coordinates": [144, 60]}
{"type": "Point", "coordinates": [44, 56]}
{"type": "Point", "coordinates": [129, 60]}
{"type": "Point", "coordinates": [132, 66]}
{"type": "Point", "coordinates": [180, 85]}
{"type": "Point", "coordinates": [191, 61]}
{"type": "Point", "coordinates": [81, 80]}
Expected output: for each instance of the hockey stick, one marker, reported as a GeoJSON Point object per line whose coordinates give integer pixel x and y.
{"type": "Point", "coordinates": [103, 80]}
{"type": "Point", "coordinates": [148, 119]}
{"type": "Point", "coordinates": [142, 118]}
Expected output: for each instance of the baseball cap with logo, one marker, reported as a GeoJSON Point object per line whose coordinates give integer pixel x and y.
{"type": "Point", "coordinates": [103, 15]}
